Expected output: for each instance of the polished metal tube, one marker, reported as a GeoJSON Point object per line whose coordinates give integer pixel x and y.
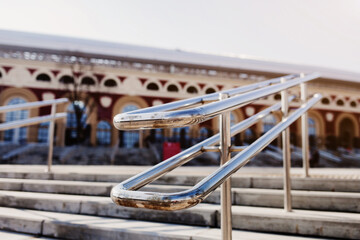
{"type": "Point", "coordinates": [305, 132]}
{"type": "Point", "coordinates": [51, 136]}
{"type": "Point", "coordinates": [30, 121]}
{"type": "Point", "coordinates": [30, 105]}
{"type": "Point", "coordinates": [286, 151]}
{"type": "Point", "coordinates": [121, 195]}
{"type": "Point", "coordinates": [225, 196]}
{"type": "Point", "coordinates": [209, 97]}
{"type": "Point", "coordinates": [146, 119]}
{"type": "Point", "coordinates": [164, 167]}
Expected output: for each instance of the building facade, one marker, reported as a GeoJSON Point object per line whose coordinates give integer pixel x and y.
{"type": "Point", "coordinates": [118, 78]}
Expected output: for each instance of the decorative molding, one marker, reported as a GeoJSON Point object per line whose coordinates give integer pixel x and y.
{"type": "Point", "coordinates": [105, 101]}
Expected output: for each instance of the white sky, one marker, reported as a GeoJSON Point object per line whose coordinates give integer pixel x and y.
{"type": "Point", "coordinates": [314, 32]}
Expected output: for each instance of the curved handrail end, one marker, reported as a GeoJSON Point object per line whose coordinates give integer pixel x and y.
{"type": "Point", "coordinates": [154, 200]}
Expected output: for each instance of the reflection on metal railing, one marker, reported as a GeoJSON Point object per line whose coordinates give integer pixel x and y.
{"type": "Point", "coordinates": [36, 120]}
{"type": "Point", "coordinates": [179, 114]}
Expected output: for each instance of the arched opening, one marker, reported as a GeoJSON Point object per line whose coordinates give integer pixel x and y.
{"type": "Point", "coordinates": [110, 83]}
{"type": "Point", "coordinates": [192, 90]}
{"type": "Point", "coordinates": [325, 101]}
{"type": "Point", "coordinates": [210, 90]}
{"type": "Point", "coordinates": [152, 87]}
{"type": "Point", "coordinates": [103, 133]}
{"type": "Point", "coordinates": [88, 81]}
{"type": "Point", "coordinates": [269, 122]}
{"type": "Point", "coordinates": [43, 77]}
{"type": "Point", "coordinates": [66, 79]}
{"type": "Point", "coordinates": [43, 132]}
{"type": "Point", "coordinates": [172, 88]}
{"type": "Point", "coordinates": [129, 139]}
{"type": "Point", "coordinates": [340, 102]}
{"type": "Point", "coordinates": [347, 130]}
{"type": "Point", "coordinates": [312, 131]}
{"type": "Point", "coordinates": [277, 97]}
{"type": "Point", "coordinates": [17, 135]}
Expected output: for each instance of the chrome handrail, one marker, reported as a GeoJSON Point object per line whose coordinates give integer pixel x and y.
{"type": "Point", "coordinates": [174, 115]}
{"type": "Point", "coordinates": [179, 118]}
{"type": "Point", "coordinates": [30, 105]}
{"type": "Point", "coordinates": [123, 193]}
{"type": "Point", "coordinates": [36, 120]}
{"type": "Point", "coordinates": [183, 157]}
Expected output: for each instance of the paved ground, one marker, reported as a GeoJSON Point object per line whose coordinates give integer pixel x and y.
{"type": "Point", "coordinates": [342, 173]}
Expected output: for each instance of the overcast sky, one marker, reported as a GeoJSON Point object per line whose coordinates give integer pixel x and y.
{"type": "Point", "coordinates": [314, 32]}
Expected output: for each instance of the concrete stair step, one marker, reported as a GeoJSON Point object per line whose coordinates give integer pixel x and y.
{"type": "Point", "coordinates": [303, 222]}
{"type": "Point", "coordinates": [6, 235]}
{"type": "Point", "coordinates": [315, 200]}
{"type": "Point", "coordinates": [189, 176]}
{"type": "Point", "coordinates": [75, 226]}
{"type": "Point", "coordinates": [201, 215]}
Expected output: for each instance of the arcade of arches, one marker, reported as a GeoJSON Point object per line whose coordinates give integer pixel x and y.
{"type": "Point", "coordinates": [342, 131]}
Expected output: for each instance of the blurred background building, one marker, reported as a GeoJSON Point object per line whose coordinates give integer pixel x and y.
{"type": "Point", "coordinates": [103, 79]}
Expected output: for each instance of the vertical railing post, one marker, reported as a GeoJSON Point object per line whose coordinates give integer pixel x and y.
{"type": "Point", "coordinates": [304, 131]}
{"type": "Point", "coordinates": [225, 144]}
{"type": "Point", "coordinates": [286, 151]}
{"type": "Point", "coordinates": [51, 136]}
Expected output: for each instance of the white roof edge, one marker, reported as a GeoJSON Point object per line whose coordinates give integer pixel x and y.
{"type": "Point", "coordinates": [60, 43]}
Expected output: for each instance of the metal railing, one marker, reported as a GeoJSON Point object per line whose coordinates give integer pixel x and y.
{"type": "Point", "coordinates": [36, 120]}
{"type": "Point", "coordinates": [195, 110]}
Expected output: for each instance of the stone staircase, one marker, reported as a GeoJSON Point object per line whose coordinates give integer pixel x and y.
{"type": "Point", "coordinates": [73, 202]}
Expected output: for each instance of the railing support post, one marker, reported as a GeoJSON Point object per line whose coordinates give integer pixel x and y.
{"type": "Point", "coordinates": [226, 202]}
{"type": "Point", "coordinates": [305, 132]}
{"type": "Point", "coordinates": [51, 136]}
{"type": "Point", "coordinates": [286, 151]}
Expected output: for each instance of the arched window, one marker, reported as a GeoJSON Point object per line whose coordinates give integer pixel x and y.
{"type": "Point", "coordinates": [43, 132]}
{"type": "Point", "coordinates": [340, 102]}
{"type": "Point", "coordinates": [353, 104]}
{"type": "Point", "coordinates": [312, 131]}
{"type": "Point", "coordinates": [103, 133]}
{"type": "Point", "coordinates": [17, 135]}
{"type": "Point", "coordinates": [233, 119]}
{"type": "Point", "coordinates": [66, 79]}
{"type": "Point", "coordinates": [192, 90]}
{"type": "Point", "coordinates": [130, 139]}
{"type": "Point", "coordinates": [312, 126]}
{"type": "Point", "coordinates": [268, 122]}
{"type": "Point", "coordinates": [204, 133]}
{"type": "Point", "coordinates": [210, 90]}
{"type": "Point", "coordinates": [172, 88]}
{"type": "Point", "coordinates": [152, 87]}
{"type": "Point", "coordinates": [346, 133]}
{"type": "Point", "coordinates": [325, 101]}
{"type": "Point", "coordinates": [75, 109]}
{"type": "Point", "coordinates": [0, 75]}
{"type": "Point", "coordinates": [277, 97]}
{"type": "Point", "coordinates": [88, 81]}
{"type": "Point", "coordinates": [110, 83]}
{"type": "Point", "coordinates": [43, 77]}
